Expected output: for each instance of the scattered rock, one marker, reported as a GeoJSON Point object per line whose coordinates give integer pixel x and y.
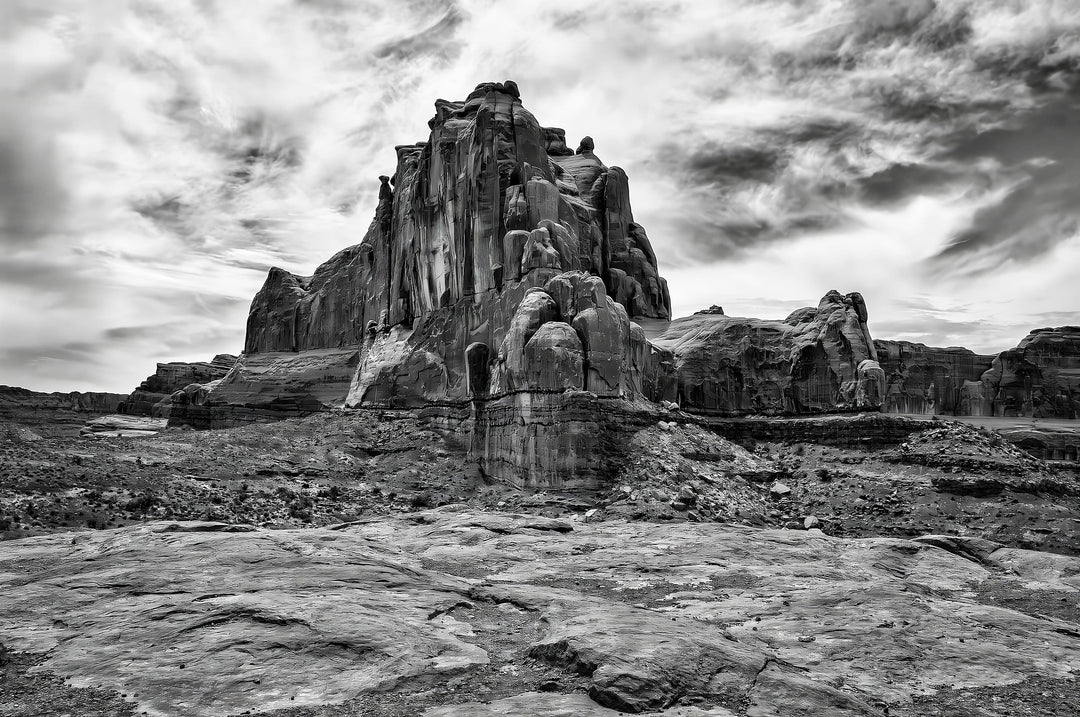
{"type": "Point", "coordinates": [779, 490]}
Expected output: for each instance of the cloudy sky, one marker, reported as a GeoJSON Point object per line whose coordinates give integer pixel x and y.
{"type": "Point", "coordinates": [158, 156]}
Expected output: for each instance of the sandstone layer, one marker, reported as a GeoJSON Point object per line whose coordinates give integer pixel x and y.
{"type": "Point", "coordinates": [498, 262]}
{"type": "Point", "coordinates": [453, 612]}
{"type": "Point", "coordinates": [817, 360]}
{"type": "Point", "coordinates": [154, 396]}
{"type": "Point", "coordinates": [1039, 378]}
{"type": "Point", "coordinates": [53, 412]}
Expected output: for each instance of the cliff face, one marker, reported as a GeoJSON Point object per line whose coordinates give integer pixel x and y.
{"type": "Point", "coordinates": [15, 401]}
{"type": "Point", "coordinates": [153, 396]}
{"type": "Point", "coordinates": [1040, 377]}
{"type": "Point", "coordinates": [494, 249]}
{"type": "Point", "coordinates": [817, 360]}
{"type": "Point", "coordinates": [927, 380]}
{"type": "Point", "coordinates": [475, 208]}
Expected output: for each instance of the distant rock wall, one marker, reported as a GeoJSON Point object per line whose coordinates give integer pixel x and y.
{"type": "Point", "coordinates": [153, 397]}
{"type": "Point", "coordinates": [1039, 378]}
{"type": "Point", "coordinates": [818, 360]}
{"type": "Point", "coordinates": [14, 400]}
{"type": "Point", "coordinates": [21, 405]}
{"type": "Point", "coordinates": [924, 380]}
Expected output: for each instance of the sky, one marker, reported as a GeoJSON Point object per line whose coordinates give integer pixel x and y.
{"type": "Point", "coordinates": [158, 156]}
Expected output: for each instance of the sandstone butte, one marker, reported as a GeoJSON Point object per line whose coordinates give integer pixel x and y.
{"type": "Point", "coordinates": [504, 287]}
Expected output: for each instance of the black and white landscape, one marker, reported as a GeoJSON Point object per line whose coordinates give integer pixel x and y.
{"type": "Point", "coordinates": [459, 407]}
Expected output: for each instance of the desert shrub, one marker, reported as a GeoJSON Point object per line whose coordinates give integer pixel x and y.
{"type": "Point", "coordinates": [300, 509]}
{"type": "Point", "coordinates": [423, 499]}
{"type": "Point", "coordinates": [142, 503]}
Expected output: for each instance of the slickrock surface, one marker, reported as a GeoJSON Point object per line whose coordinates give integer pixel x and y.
{"type": "Point", "coordinates": [117, 426]}
{"type": "Point", "coordinates": [459, 612]}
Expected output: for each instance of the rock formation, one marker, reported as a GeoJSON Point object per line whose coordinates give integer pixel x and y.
{"type": "Point", "coordinates": [503, 286]}
{"type": "Point", "coordinates": [503, 278]}
{"type": "Point", "coordinates": [21, 405]}
{"type": "Point", "coordinates": [1039, 378]}
{"type": "Point", "coordinates": [926, 380]}
{"type": "Point", "coordinates": [818, 359]}
{"type": "Point", "coordinates": [153, 397]}
{"type": "Point", "coordinates": [473, 223]}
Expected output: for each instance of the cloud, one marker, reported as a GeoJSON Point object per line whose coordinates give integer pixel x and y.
{"type": "Point", "coordinates": [154, 151]}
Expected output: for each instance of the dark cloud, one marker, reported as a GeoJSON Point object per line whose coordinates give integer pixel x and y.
{"type": "Point", "coordinates": [726, 165]}
{"type": "Point", "coordinates": [79, 351]}
{"type": "Point", "coordinates": [1042, 151]}
{"type": "Point", "coordinates": [44, 272]}
{"type": "Point", "coordinates": [900, 182]}
{"type": "Point", "coordinates": [121, 333]}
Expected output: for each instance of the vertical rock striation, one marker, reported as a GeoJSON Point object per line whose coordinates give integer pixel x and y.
{"type": "Point", "coordinates": [819, 359]}
{"type": "Point", "coordinates": [1039, 378]}
{"type": "Point", "coordinates": [153, 397]}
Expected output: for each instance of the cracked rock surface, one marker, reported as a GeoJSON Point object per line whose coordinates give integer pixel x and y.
{"type": "Point", "coordinates": [457, 611]}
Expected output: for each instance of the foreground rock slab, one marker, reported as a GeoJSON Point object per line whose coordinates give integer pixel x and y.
{"type": "Point", "coordinates": [454, 612]}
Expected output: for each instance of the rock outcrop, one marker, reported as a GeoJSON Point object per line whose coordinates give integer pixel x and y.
{"type": "Point", "coordinates": [505, 279]}
{"type": "Point", "coordinates": [153, 397]}
{"type": "Point", "coordinates": [1039, 378]}
{"type": "Point", "coordinates": [927, 380]}
{"type": "Point", "coordinates": [21, 405]}
{"type": "Point", "coordinates": [817, 360]}
{"type": "Point", "coordinates": [498, 262]}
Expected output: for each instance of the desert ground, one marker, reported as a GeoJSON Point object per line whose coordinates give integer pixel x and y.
{"type": "Point", "coordinates": [355, 563]}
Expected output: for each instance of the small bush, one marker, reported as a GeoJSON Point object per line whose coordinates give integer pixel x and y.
{"type": "Point", "coordinates": [142, 504]}
{"type": "Point", "coordinates": [423, 499]}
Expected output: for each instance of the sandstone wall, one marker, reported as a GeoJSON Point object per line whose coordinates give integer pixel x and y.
{"type": "Point", "coordinates": [819, 359]}
{"type": "Point", "coordinates": [1039, 378]}
{"type": "Point", "coordinates": [926, 380]}
{"type": "Point", "coordinates": [153, 396]}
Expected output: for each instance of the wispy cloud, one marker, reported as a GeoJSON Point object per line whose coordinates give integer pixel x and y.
{"type": "Point", "coordinates": [152, 150]}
